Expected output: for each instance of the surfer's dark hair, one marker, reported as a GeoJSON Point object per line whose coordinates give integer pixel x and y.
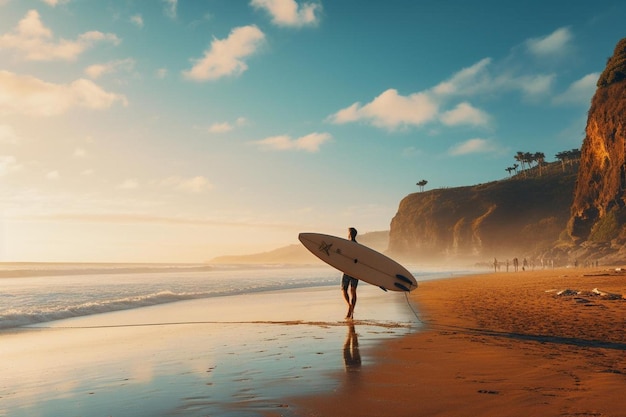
{"type": "Point", "coordinates": [353, 232]}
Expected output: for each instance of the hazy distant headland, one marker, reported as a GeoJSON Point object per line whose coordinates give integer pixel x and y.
{"type": "Point", "coordinates": [564, 212]}
{"type": "Point", "coordinates": [298, 254]}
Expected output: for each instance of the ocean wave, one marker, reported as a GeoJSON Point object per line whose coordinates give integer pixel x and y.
{"type": "Point", "coordinates": [58, 310]}
{"type": "Point", "coordinates": [16, 318]}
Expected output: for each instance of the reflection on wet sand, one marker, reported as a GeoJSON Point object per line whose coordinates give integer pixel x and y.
{"type": "Point", "coordinates": [351, 354]}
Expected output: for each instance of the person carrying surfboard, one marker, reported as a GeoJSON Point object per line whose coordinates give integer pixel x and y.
{"type": "Point", "coordinates": [350, 282]}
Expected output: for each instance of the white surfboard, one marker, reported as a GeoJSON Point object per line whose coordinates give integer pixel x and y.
{"type": "Point", "coordinates": [359, 261]}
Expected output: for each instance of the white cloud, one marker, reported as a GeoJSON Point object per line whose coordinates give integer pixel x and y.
{"type": "Point", "coordinates": [79, 153]}
{"type": "Point", "coordinates": [53, 175]}
{"type": "Point", "coordinates": [161, 73]}
{"type": "Point", "coordinates": [129, 184]}
{"type": "Point", "coordinates": [197, 184]}
{"type": "Point", "coordinates": [289, 12]}
{"type": "Point", "coordinates": [478, 79]}
{"type": "Point", "coordinates": [465, 113]}
{"type": "Point", "coordinates": [390, 110]}
{"type": "Point", "coordinates": [472, 146]}
{"type": "Point", "coordinates": [97, 70]}
{"type": "Point", "coordinates": [8, 135]}
{"type": "Point", "coordinates": [554, 44]}
{"type": "Point", "coordinates": [24, 94]}
{"type": "Point", "coordinates": [309, 143]}
{"type": "Point", "coordinates": [55, 3]}
{"type": "Point", "coordinates": [227, 56]}
{"type": "Point", "coordinates": [170, 8]}
{"type": "Point", "coordinates": [579, 92]}
{"type": "Point", "coordinates": [224, 127]}
{"type": "Point", "coordinates": [35, 41]}
{"type": "Point", "coordinates": [220, 127]}
{"type": "Point", "coordinates": [537, 85]}
{"type": "Point", "coordinates": [466, 81]}
{"type": "Point", "coordinates": [137, 20]}
{"type": "Point", "coordinates": [484, 78]}
{"type": "Point", "coordinates": [8, 164]}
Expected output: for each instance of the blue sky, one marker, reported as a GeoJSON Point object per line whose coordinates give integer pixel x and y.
{"type": "Point", "coordinates": [177, 131]}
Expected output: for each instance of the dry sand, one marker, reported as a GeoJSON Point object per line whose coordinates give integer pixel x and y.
{"type": "Point", "coordinates": [499, 344]}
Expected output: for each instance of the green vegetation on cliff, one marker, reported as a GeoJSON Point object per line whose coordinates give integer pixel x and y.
{"type": "Point", "coordinates": [615, 70]}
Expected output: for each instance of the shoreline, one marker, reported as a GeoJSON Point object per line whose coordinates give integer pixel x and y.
{"type": "Point", "coordinates": [500, 344]}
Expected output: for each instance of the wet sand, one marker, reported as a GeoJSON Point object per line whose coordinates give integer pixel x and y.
{"type": "Point", "coordinates": [498, 344]}
{"type": "Point", "coordinates": [224, 356]}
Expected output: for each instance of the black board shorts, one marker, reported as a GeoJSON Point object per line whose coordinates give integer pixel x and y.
{"type": "Point", "coordinates": [348, 281]}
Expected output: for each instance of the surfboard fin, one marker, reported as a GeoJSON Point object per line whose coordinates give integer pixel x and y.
{"type": "Point", "coordinates": [383, 288]}
{"type": "Point", "coordinates": [402, 287]}
{"type": "Point", "coordinates": [403, 278]}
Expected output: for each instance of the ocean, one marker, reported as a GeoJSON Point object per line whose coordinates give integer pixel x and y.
{"type": "Point", "coordinates": [33, 293]}
{"type": "Point", "coordinates": [38, 293]}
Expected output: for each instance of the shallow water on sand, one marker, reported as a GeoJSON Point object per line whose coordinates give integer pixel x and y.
{"type": "Point", "coordinates": [228, 356]}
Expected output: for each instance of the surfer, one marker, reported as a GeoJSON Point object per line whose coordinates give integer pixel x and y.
{"type": "Point", "coordinates": [348, 281]}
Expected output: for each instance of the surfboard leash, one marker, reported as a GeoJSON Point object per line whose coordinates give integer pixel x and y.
{"type": "Point", "coordinates": [408, 302]}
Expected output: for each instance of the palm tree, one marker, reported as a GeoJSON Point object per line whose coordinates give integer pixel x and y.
{"type": "Point", "coordinates": [421, 184]}
{"type": "Point", "coordinates": [562, 156]}
{"type": "Point", "coordinates": [540, 157]}
{"type": "Point", "coordinates": [519, 157]}
{"type": "Point", "coordinates": [568, 157]}
{"type": "Point", "coordinates": [509, 169]}
{"type": "Point", "coordinates": [529, 158]}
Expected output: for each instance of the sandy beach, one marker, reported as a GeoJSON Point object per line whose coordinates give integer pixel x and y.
{"type": "Point", "coordinates": [504, 344]}
{"type": "Point", "coordinates": [499, 344]}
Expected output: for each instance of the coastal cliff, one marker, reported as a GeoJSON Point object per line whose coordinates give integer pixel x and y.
{"type": "Point", "coordinates": [508, 218]}
{"type": "Point", "coordinates": [598, 209]}
{"type": "Point", "coordinates": [578, 217]}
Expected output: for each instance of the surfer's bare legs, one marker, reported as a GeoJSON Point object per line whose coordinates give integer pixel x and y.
{"type": "Point", "coordinates": [350, 300]}
{"type": "Point", "coordinates": [347, 298]}
{"type": "Point", "coordinates": [353, 303]}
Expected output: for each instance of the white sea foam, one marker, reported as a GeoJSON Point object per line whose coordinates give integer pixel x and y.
{"type": "Point", "coordinates": [16, 317]}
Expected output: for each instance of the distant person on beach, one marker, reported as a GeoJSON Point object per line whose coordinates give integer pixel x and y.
{"type": "Point", "coordinates": [349, 282]}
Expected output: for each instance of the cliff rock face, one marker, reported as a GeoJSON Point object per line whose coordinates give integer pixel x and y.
{"type": "Point", "coordinates": [501, 219]}
{"type": "Point", "coordinates": [598, 209]}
